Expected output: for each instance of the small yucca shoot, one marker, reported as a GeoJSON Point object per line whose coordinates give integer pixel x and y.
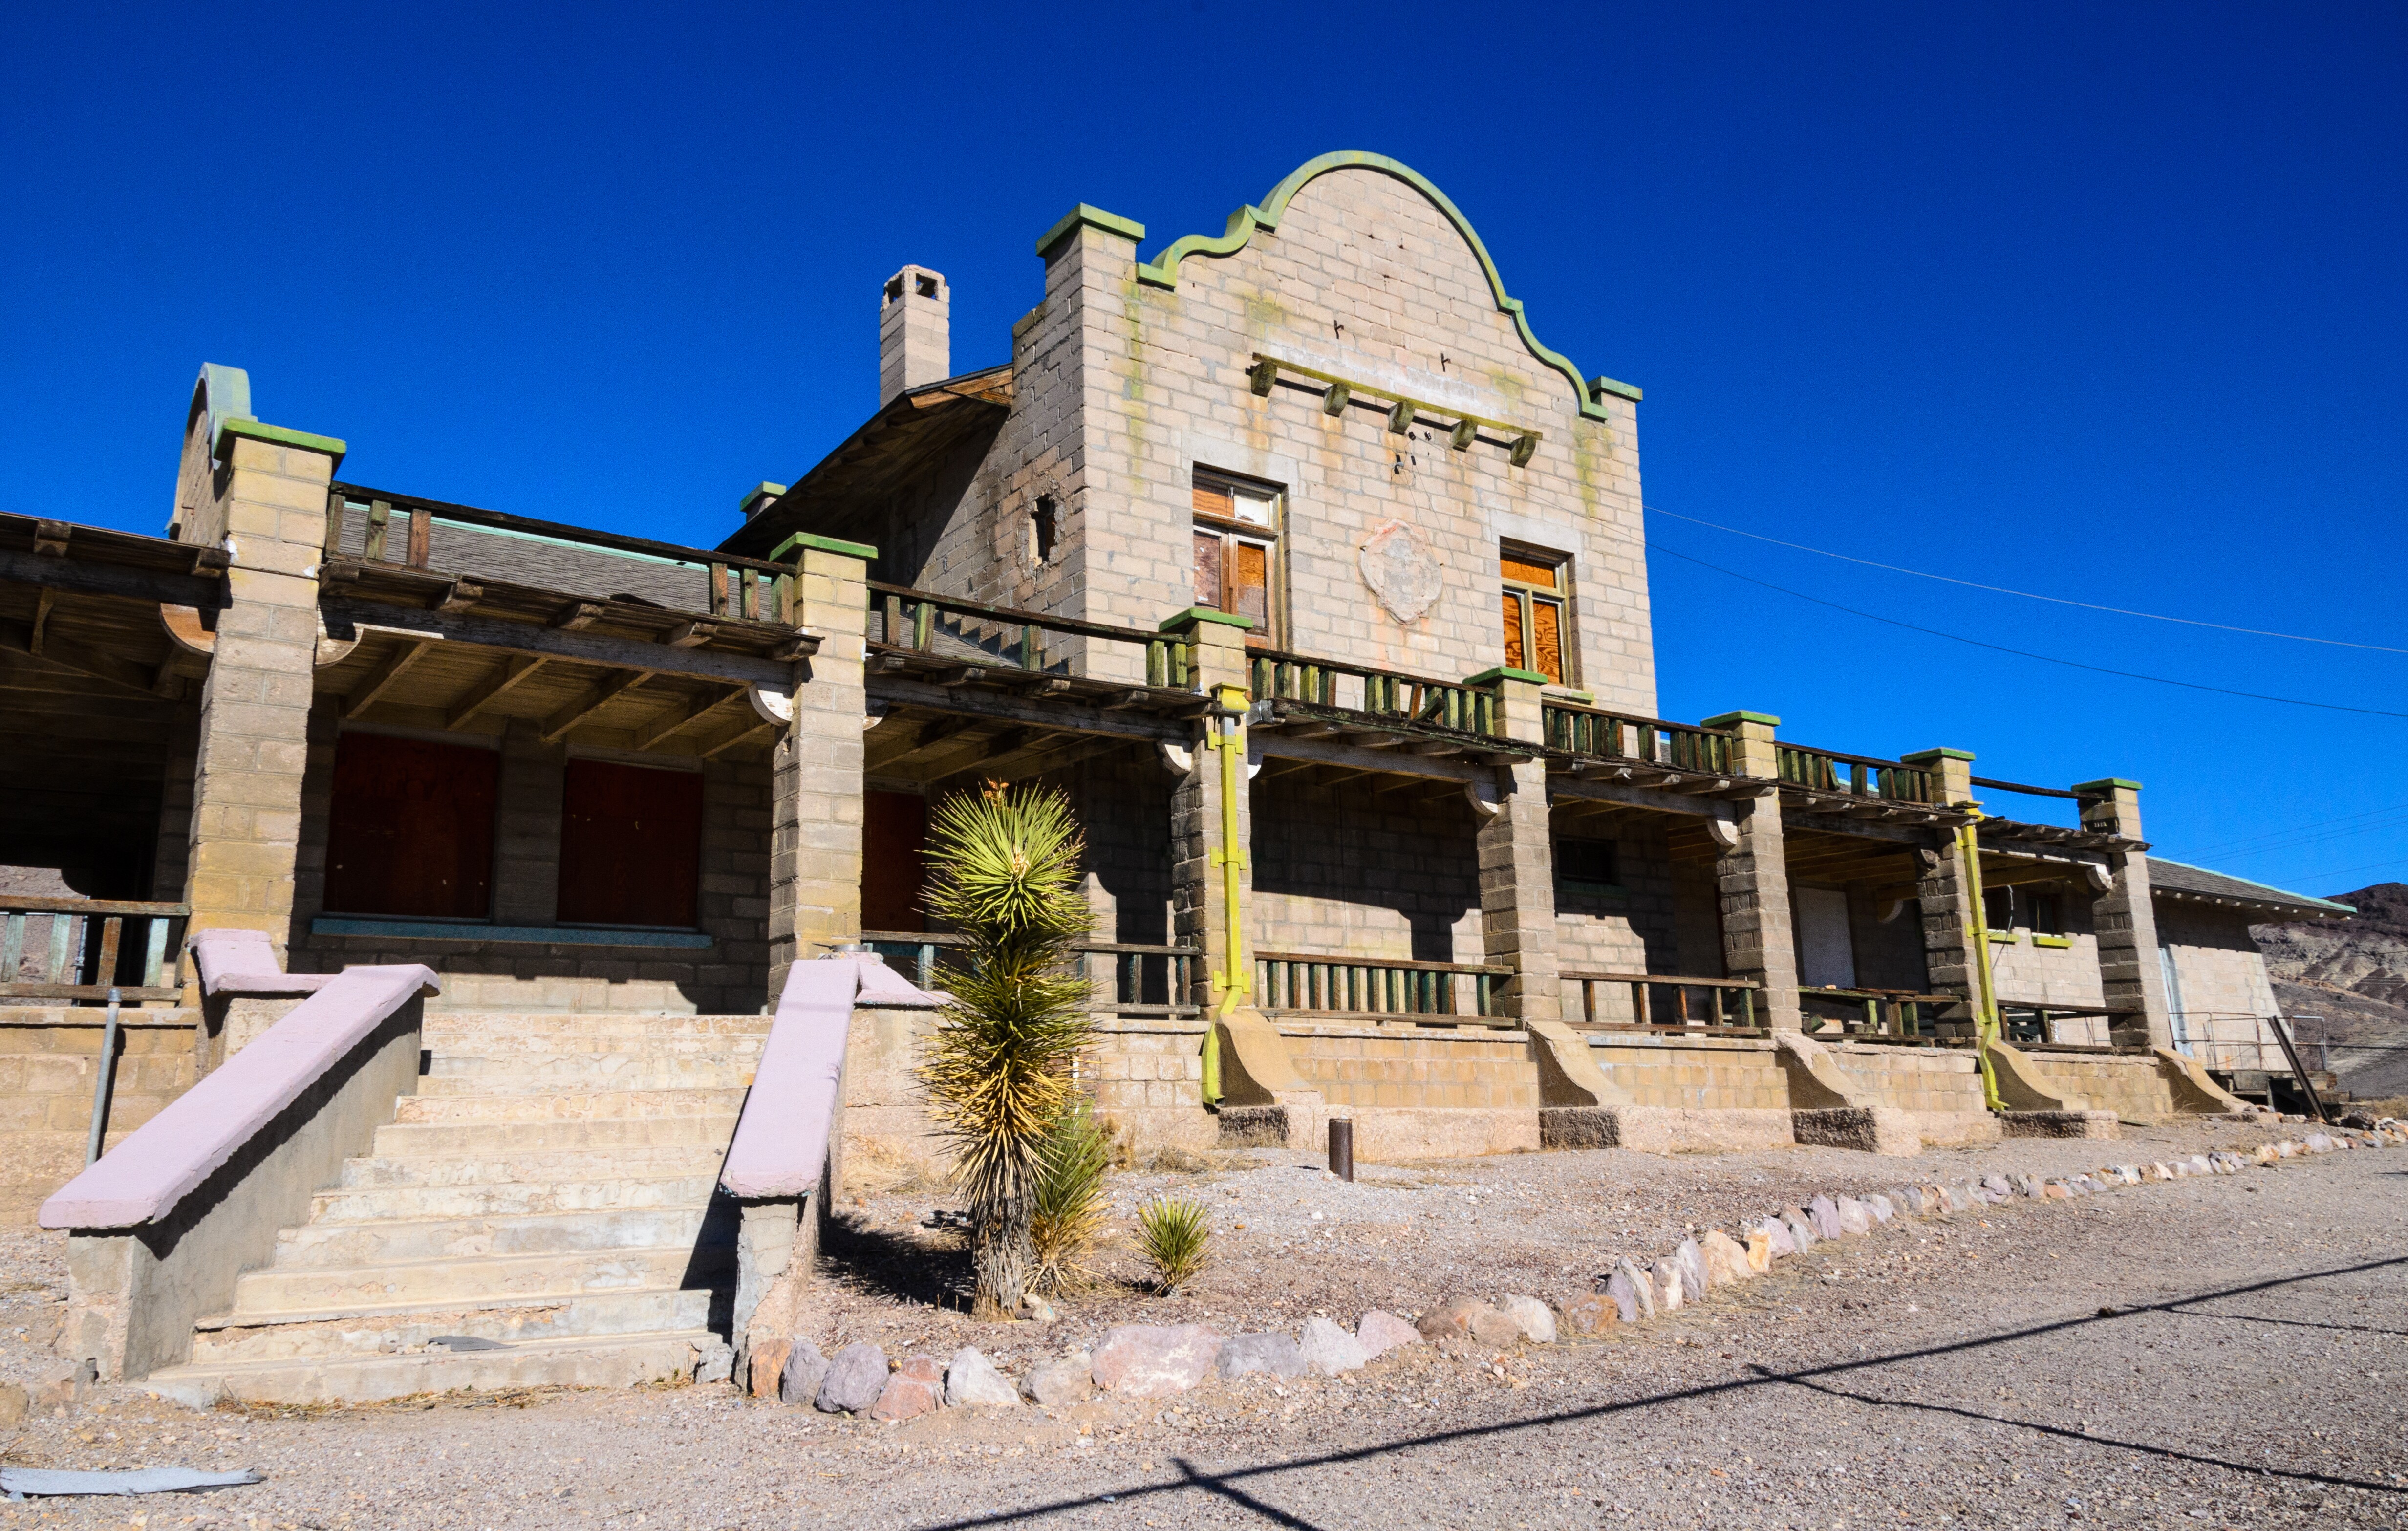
{"type": "Point", "coordinates": [1173, 1233]}
{"type": "Point", "coordinates": [1066, 1204]}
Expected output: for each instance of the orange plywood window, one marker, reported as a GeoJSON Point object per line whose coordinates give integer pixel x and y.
{"type": "Point", "coordinates": [894, 860]}
{"type": "Point", "coordinates": [1236, 552]}
{"type": "Point", "coordinates": [410, 831]}
{"type": "Point", "coordinates": [630, 845]}
{"type": "Point", "coordinates": [1533, 610]}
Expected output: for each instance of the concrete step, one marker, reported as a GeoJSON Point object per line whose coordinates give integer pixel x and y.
{"type": "Point", "coordinates": [534, 1166]}
{"type": "Point", "coordinates": [392, 1328]}
{"type": "Point", "coordinates": [608, 1230]}
{"type": "Point", "coordinates": [456, 1031]}
{"type": "Point", "coordinates": [508, 1196]}
{"type": "Point", "coordinates": [469, 1283]}
{"type": "Point", "coordinates": [454, 1139]}
{"type": "Point", "coordinates": [570, 1106]}
{"type": "Point", "coordinates": [634, 1070]}
{"type": "Point", "coordinates": [628, 1361]}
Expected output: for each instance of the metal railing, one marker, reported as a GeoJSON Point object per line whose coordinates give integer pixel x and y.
{"type": "Point", "coordinates": [906, 620]}
{"type": "Point", "coordinates": [1662, 1002]}
{"type": "Point", "coordinates": [1320, 983]}
{"type": "Point", "coordinates": [1612, 735]}
{"type": "Point", "coordinates": [79, 949]}
{"type": "Point", "coordinates": [1385, 695]}
{"type": "Point", "coordinates": [1130, 973]}
{"type": "Point", "coordinates": [1860, 775]}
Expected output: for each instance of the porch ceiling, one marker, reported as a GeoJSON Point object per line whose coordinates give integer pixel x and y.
{"type": "Point", "coordinates": [925, 745]}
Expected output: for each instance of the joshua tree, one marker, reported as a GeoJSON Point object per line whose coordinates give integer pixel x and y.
{"type": "Point", "coordinates": [1003, 869]}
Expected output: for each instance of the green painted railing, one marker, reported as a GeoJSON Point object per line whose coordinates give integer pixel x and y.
{"type": "Point", "coordinates": [906, 620]}
{"type": "Point", "coordinates": [1612, 735]}
{"type": "Point", "coordinates": [1671, 1002]}
{"type": "Point", "coordinates": [1860, 775]}
{"type": "Point", "coordinates": [1303, 982]}
{"type": "Point", "coordinates": [1387, 695]}
{"type": "Point", "coordinates": [76, 950]}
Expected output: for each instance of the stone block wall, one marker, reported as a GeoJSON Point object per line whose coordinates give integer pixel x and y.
{"type": "Point", "coordinates": [1415, 1066]}
{"type": "Point", "coordinates": [1740, 1074]}
{"type": "Point", "coordinates": [2028, 973]}
{"type": "Point", "coordinates": [1339, 871]}
{"type": "Point", "coordinates": [48, 1058]}
{"type": "Point", "coordinates": [2218, 970]}
{"type": "Point", "coordinates": [2134, 1088]}
{"type": "Point", "coordinates": [1637, 927]}
{"type": "Point", "coordinates": [1924, 1080]}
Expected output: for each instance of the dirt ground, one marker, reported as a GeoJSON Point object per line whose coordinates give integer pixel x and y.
{"type": "Point", "coordinates": [2222, 1351]}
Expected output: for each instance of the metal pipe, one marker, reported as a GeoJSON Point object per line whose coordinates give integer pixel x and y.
{"type": "Point", "coordinates": [1977, 930]}
{"type": "Point", "coordinates": [1235, 982]}
{"type": "Point", "coordinates": [1342, 1146]}
{"type": "Point", "coordinates": [104, 1076]}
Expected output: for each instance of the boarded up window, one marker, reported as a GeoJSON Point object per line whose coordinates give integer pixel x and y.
{"type": "Point", "coordinates": [630, 845]}
{"type": "Point", "coordinates": [410, 831]}
{"type": "Point", "coordinates": [1236, 552]}
{"type": "Point", "coordinates": [1827, 949]}
{"type": "Point", "coordinates": [893, 865]}
{"type": "Point", "coordinates": [1533, 606]}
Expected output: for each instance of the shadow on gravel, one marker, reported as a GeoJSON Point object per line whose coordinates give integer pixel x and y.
{"type": "Point", "coordinates": [897, 1266]}
{"type": "Point", "coordinates": [1225, 1485]}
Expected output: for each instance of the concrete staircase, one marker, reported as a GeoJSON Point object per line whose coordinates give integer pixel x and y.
{"type": "Point", "coordinates": [547, 1190]}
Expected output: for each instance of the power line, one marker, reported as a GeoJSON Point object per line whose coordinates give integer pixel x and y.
{"type": "Point", "coordinates": [2026, 653]}
{"type": "Point", "coordinates": [2312, 824]}
{"type": "Point", "coordinates": [2027, 594]}
{"type": "Point", "coordinates": [2272, 844]}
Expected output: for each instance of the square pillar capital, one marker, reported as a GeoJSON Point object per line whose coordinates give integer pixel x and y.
{"type": "Point", "coordinates": [2111, 805]}
{"type": "Point", "coordinates": [1752, 753]}
{"type": "Point", "coordinates": [1955, 768]}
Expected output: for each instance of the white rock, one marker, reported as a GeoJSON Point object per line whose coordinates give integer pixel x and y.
{"type": "Point", "coordinates": [1535, 1319]}
{"type": "Point", "coordinates": [971, 1379]}
{"type": "Point", "coordinates": [1329, 1349]}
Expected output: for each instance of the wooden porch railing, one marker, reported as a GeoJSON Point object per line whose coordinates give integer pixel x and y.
{"type": "Point", "coordinates": [79, 949]}
{"type": "Point", "coordinates": [1862, 775]}
{"type": "Point", "coordinates": [1612, 735]}
{"type": "Point", "coordinates": [1130, 972]}
{"type": "Point", "coordinates": [1386, 695]}
{"type": "Point", "coordinates": [907, 620]}
{"type": "Point", "coordinates": [1662, 1002]}
{"type": "Point", "coordinates": [1321, 983]}
{"type": "Point", "coordinates": [1874, 1013]}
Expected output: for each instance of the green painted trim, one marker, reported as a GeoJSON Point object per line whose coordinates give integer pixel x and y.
{"type": "Point", "coordinates": [1090, 217]}
{"type": "Point", "coordinates": [1619, 390]}
{"type": "Point", "coordinates": [1930, 757]}
{"type": "Point", "coordinates": [1163, 270]}
{"type": "Point", "coordinates": [1732, 720]}
{"type": "Point", "coordinates": [2059, 941]}
{"type": "Point", "coordinates": [445, 930]}
{"type": "Point", "coordinates": [1503, 673]}
{"type": "Point", "coordinates": [281, 436]}
{"type": "Point", "coordinates": [1578, 699]}
{"type": "Point", "coordinates": [1195, 614]}
{"type": "Point", "coordinates": [2001, 938]}
{"type": "Point", "coordinates": [822, 544]}
{"type": "Point", "coordinates": [2106, 784]}
{"type": "Point", "coordinates": [765, 489]}
{"type": "Point", "coordinates": [2305, 898]}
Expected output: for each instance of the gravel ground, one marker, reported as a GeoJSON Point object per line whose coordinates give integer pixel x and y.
{"type": "Point", "coordinates": [1965, 1370]}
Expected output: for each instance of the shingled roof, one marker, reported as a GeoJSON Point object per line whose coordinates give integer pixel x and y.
{"type": "Point", "coordinates": [2180, 879]}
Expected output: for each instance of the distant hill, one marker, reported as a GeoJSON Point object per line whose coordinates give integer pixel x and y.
{"type": "Point", "coordinates": [2354, 974]}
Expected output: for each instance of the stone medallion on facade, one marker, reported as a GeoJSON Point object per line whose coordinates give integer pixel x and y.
{"type": "Point", "coordinates": [1401, 570]}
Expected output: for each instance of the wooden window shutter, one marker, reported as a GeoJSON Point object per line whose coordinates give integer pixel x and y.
{"type": "Point", "coordinates": [1514, 655]}
{"type": "Point", "coordinates": [1547, 639]}
{"type": "Point", "coordinates": [1250, 592]}
{"type": "Point", "coordinates": [1208, 570]}
{"type": "Point", "coordinates": [1213, 499]}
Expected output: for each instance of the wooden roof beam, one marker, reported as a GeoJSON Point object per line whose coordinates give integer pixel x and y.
{"type": "Point", "coordinates": [596, 698]}
{"type": "Point", "coordinates": [515, 669]}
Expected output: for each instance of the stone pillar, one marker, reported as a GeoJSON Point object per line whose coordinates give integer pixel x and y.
{"type": "Point", "coordinates": [1200, 839]}
{"type": "Point", "coordinates": [259, 491]}
{"type": "Point", "coordinates": [815, 794]}
{"type": "Point", "coordinates": [2130, 972]}
{"type": "Point", "coordinates": [1758, 938]}
{"type": "Point", "coordinates": [526, 833]}
{"type": "Point", "coordinates": [1941, 892]}
{"type": "Point", "coordinates": [1517, 860]}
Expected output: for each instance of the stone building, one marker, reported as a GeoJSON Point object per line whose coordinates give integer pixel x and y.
{"type": "Point", "coordinates": [1292, 553]}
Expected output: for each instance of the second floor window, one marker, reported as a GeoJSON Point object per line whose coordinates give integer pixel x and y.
{"type": "Point", "coordinates": [1237, 550]}
{"type": "Point", "coordinates": [1534, 613]}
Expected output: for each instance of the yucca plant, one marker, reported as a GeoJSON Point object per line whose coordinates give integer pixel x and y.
{"type": "Point", "coordinates": [1003, 870]}
{"type": "Point", "coordinates": [1066, 1205]}
{"type": "Point", "coordinates": [1172, 1232]}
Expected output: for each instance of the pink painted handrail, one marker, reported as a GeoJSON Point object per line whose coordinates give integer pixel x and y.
{"type": "Point", "coordinates": [243, 962]}
{"type": "Point", "coordinates": [781, 1140]}
{"type": "Point", "coordinates": [170, 1156]}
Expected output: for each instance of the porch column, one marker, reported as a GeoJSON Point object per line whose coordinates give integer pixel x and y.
{"type": "Point", "coordinates": [259, 491]}
{"type": "Point", "coordinates": [1752, 871]}
{"type": "Point", "coordinates": [2130, 972]}
{"type": "Point", "coordinates": [815, 773]}
{"type": "Point", "coordinates": [1517, 861]}
{"type": "Point", "coordinates": [1941, 892]}
{"type": "Point", "coordinates": [1205, 838]}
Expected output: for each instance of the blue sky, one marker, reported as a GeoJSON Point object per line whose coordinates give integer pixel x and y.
{"type": "Point", "coordinates": [2102, 303]}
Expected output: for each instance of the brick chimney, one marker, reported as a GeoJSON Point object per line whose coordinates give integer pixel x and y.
{"type": "Point", "coordinates": [915, 332]}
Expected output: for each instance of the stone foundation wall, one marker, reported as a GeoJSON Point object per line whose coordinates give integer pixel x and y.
{"type": "Point", "coordinates": [1417, 1066]}
{"type": "Point", "coordinates": [1740, 1074]}
{"type": "Point", "coordinates": [1924, 1080]}
{"type": "Point", "coordinates": [2133, 1088]}
{"type": "Point", "coordinates": [48, 1057]}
